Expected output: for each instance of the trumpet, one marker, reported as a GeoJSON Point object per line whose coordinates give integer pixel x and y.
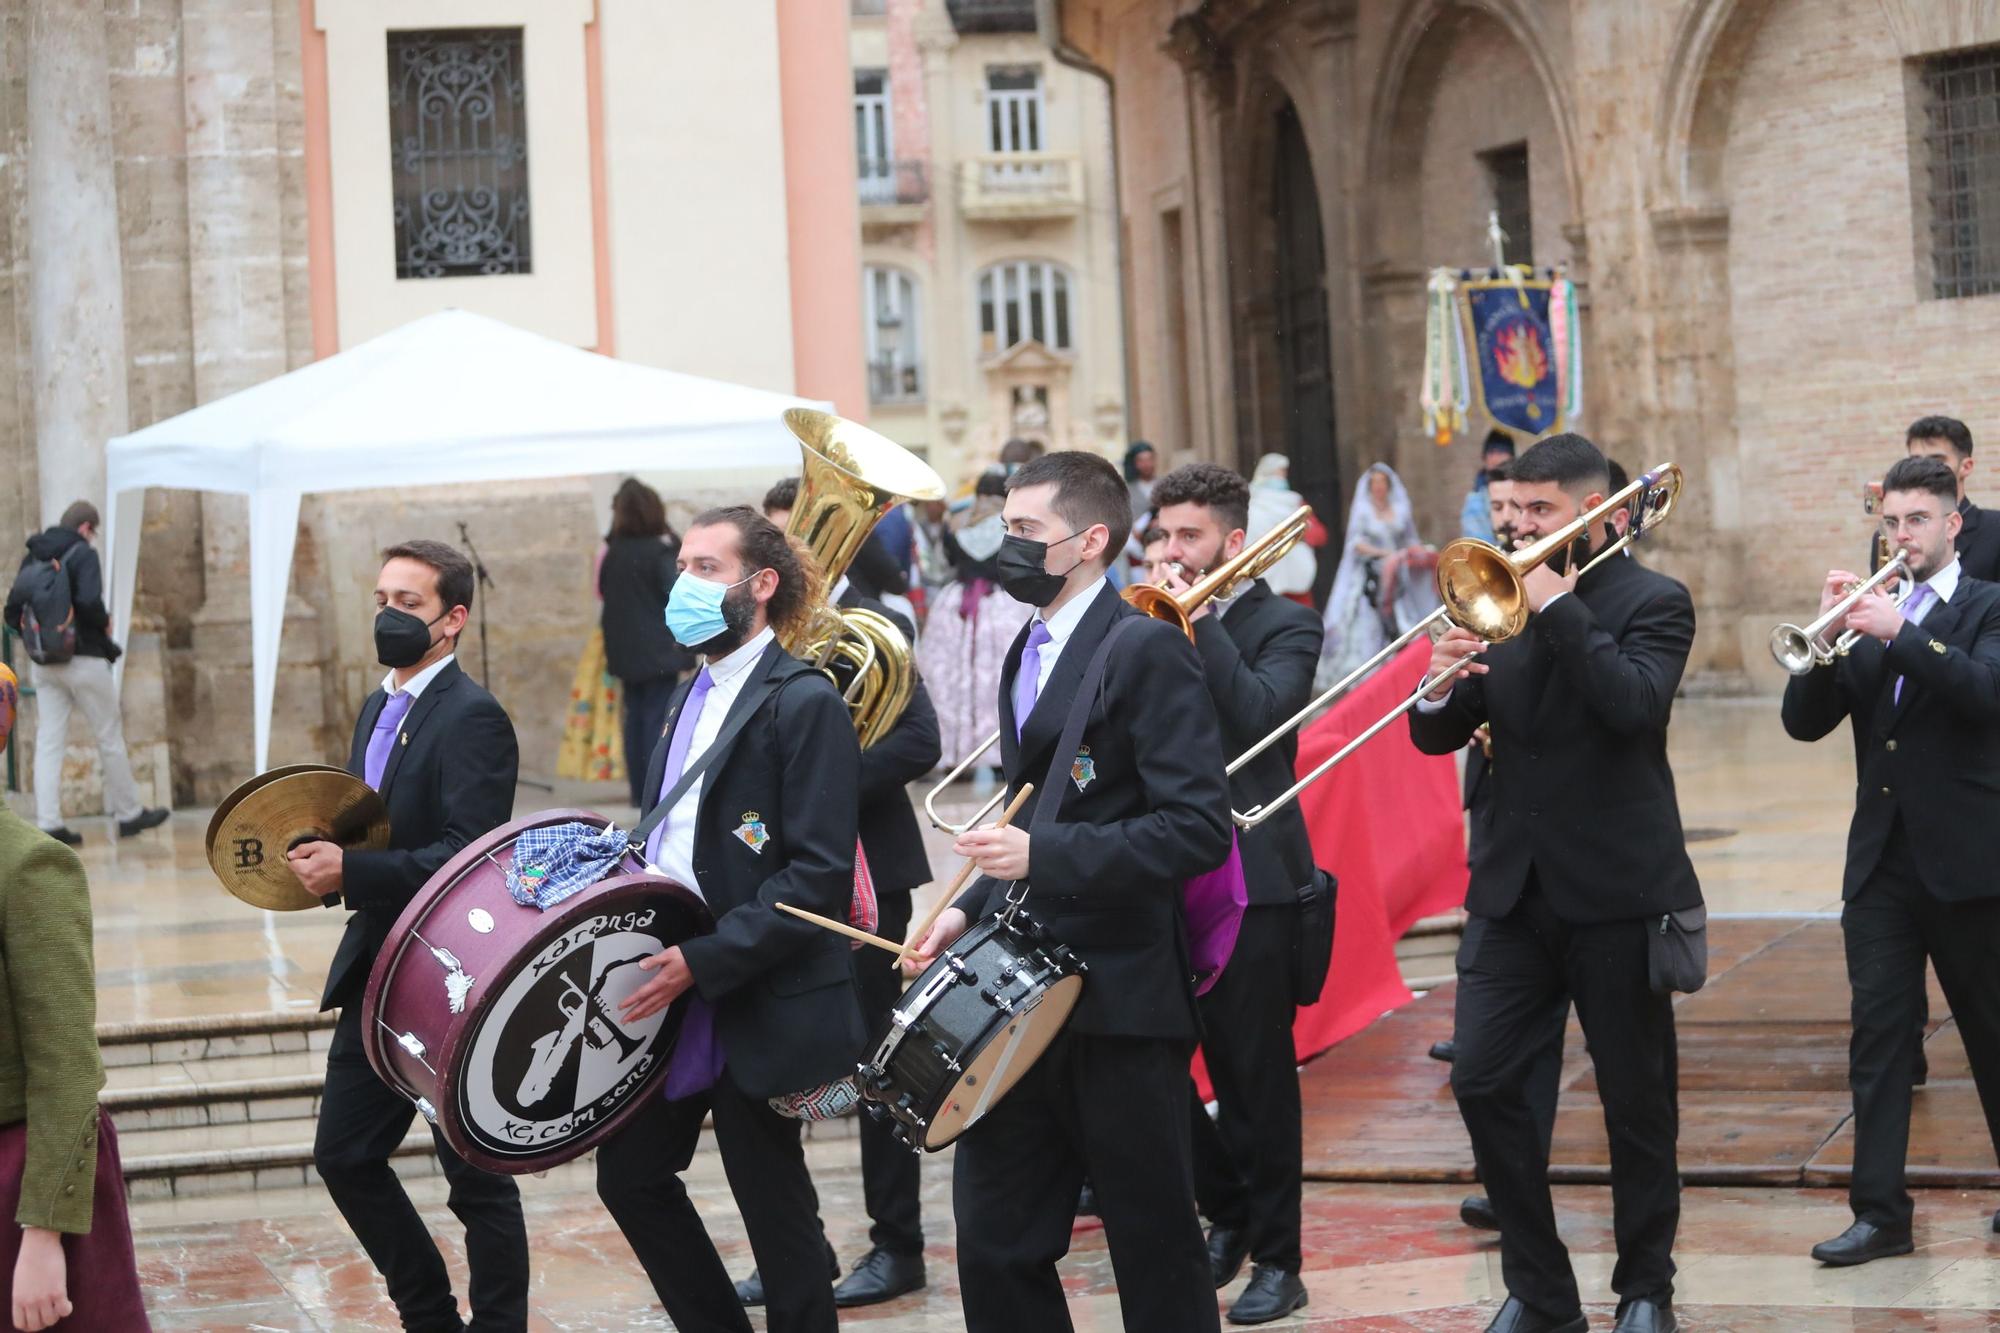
{"type": "Point", "coordinates": [1800, 648]}
{"type": "Point", "coordinates": [1482, 589]}
{"type": "Point", "coordinates": [1253, 561]}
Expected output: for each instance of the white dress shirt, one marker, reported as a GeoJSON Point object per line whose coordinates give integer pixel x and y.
{"type": "Point", "coordinates": [419, 682]}
{"type": "Point", "coordinates": [676, 845]}
{"type": "Point", "coordinates": [1062, 625]}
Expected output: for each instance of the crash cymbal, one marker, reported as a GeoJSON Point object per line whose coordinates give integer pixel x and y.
{"type": "Point", "coordinates": [259, 826]}
{"type": "Point", "coordinates": [228, 802]}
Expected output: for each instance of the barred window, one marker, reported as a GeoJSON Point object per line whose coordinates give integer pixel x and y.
{"type": "Point", "coordinates": [1022, 300]}
{"type": "Point", "coordinates": [458, 142]}
{"type": "Point", "coordinates": [895, 346]}
{"type": "Point", "coordinates": [1961, 134]}
{"type": "Point", "coordinates": [1507, 169]}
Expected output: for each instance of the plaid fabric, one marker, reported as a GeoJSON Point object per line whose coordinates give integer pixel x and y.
{"type": "Point", "coordinates": [863, 912]}
{"type": "Point", "coordinates": [561, 860]}
{"type": "Point", "coordinates": [828, 1101]}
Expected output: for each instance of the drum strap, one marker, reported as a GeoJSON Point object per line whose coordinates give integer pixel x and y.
{"type": "Point", "coordinates": [739, 716]}
{"type": "Point", "coordinates": [1049, 796]}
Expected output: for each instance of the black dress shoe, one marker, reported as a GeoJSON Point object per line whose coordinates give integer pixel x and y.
{"type": "Point", "coordinates": [880, 1276]}
{"type": "Point", "coordinates": [1515, 1317]}
{"type": "Point", "coordinates": [139, 823]}
{"type": "Point", "coordinates": [1228, 1247]}
{"type": "Point", "coordinates": [1861, 1243]}
{"type": "Point", "coordinates": [750, 1290]}
{"type": "Point", "coordinates": [1272, 1294]}
{"type": "Point", "coordinates": [64, 833]}
{"type": "Point", "coordinates": [1477, 1213]}
{"type": "Point", "coordinates": [1646, 1316]}
{"type": "Point", "coordinates": [1446, 1050]}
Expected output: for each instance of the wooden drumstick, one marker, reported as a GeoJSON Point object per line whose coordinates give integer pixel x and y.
{"type": "Point", "coordinates": [964, 874]}
{"type": "Point", "coordinates": [842, 928]}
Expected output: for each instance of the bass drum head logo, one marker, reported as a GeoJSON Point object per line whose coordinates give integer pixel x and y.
{"type": "Point", "coordinates": [550, 1060]}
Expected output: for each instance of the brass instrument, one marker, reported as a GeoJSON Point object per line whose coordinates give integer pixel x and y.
{"type": "Point", "coordinates": [1482, 590]}
{"type": "Point", "coordinates": [848, 478]}
{"type": "Point", "coordinates": [256, 826]}
{"type": "Point", "coordinates": [1253, 561]}
{"type": "Point", "coordinates": [1800, 648]}
{"type": "Point", "coordinates": [1871, 504]}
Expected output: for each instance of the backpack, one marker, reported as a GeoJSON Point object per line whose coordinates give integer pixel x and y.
{"type": "Point", "coordinates": [48, 617]}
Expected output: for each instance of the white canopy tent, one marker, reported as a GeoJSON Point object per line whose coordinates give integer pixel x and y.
{"type": "Point", "coordinates": [444, 400]}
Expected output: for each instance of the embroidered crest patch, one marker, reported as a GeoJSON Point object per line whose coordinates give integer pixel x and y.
{"type": "Point", "coordinates": [752, 833]}
{"type": "Point", "coordinates": [1083, 771]}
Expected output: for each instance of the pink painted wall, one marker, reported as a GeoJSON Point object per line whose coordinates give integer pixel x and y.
{"type": "Point", "coordinates": [909, 109]}
{"type": "Point", "coordinates": [823, 218]}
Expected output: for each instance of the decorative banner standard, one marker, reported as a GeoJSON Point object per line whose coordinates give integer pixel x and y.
{"type": "Point", "coordinates": [1503, 342]}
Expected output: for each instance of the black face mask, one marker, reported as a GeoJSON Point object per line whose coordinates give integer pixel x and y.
{"type": "Point", "coordinates": [401, 640]}
{"type": "Point", "coordinates": [1024, 571]}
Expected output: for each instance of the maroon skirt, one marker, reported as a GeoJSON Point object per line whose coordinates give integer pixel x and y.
{"type": "Point", "coordinates": [103, 1274]}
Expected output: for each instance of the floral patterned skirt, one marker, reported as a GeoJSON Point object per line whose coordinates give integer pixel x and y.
{"type": "Point", "coordinates": [592, 748]}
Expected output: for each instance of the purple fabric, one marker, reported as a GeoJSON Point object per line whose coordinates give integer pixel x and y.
{"type": "Point", "coordinates": [677, 753]}
{"type": "Point", "coordinates": [970, 594]}
{"type": "Point", "coordinates": [1918, 600]}
{"type": "Point", "coordinates": [1028, 679]}
{"type": "Point", "coordinates": [382, 740]}
{"type": "Point", "coordinates": [1214, 904]}
{"type": "Point", "coordinates": [697, 1059]}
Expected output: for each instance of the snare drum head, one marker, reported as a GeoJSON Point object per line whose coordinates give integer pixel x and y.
{"type": "Point", "coordinates": [999, 1065]}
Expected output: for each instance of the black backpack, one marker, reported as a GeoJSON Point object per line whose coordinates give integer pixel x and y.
{"type": "Point", "coordinates": [48, 616]}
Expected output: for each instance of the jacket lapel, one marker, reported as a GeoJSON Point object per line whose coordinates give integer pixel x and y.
{"type": "Point", "coordinates": [1052, 705]}
{"type": "Point", "coordinates": [656, 764]}
{"type": "Point", "coordinates": [1939, 624]}
{"type": "Point", "coordinates": [1010, 667]}
{"type": "Point", "coordinates": [419, 711]}
{"type": "Point", "coordinates": [756, 688]}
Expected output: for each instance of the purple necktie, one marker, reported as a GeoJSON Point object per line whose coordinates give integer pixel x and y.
{"type": "Point", "coordinates": [382, 741]}
{"type": "Point", "coordinates": [1918, 600]}
{"type": "Point", "coordinates": [1028, 679]}
{"type": "Point", "coordinates": [677, 753]}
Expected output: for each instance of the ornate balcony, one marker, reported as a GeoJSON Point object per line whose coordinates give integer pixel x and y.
{"type": "Point", "coordinates": [893, 193]}
{"type": "Point", "coordinates": [992, 15]}
{"type": "Point", "coordinates": [1021, 187]}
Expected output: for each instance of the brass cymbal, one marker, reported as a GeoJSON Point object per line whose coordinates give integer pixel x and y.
{"type": "Point", "coordinates": [265, 818]}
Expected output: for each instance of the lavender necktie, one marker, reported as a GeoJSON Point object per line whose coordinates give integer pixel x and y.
{"type": "Point", "coordinates": [677, 753]}
{"type": "Point", "coordinates": [382, 741]}
{"type": "Point", "coordinates": [1918, 601]}
{"type": "Point", "coordinates": [1028, 678]}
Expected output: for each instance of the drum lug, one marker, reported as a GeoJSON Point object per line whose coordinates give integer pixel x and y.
{"type": "Point", "coordinates": [410, 1042]}
{"type": "Point", "coordinates": [992, 995]}
{"type": "Point", "coordinates": [428, 1111]}
{"type": "Point", "coordinates": [943, 1052]}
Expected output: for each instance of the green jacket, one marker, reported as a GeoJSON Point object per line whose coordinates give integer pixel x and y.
{"type": "Point", "coordinates": [50, 1069]}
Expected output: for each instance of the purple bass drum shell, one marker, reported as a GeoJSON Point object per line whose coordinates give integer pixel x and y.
{"type": "Point", "coordinates": [500, 1021]}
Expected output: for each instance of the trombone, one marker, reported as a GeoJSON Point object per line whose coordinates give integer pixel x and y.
{"type": "Point", "coordinates": [1482, 590]}
{"type": "Point", "coordinates": [1800, 648]}
{"type": "Point", "coordinates": [1253, 561]}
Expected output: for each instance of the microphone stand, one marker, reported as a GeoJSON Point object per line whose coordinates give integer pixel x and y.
{"type": "Point", "coordinates": [485, 585]}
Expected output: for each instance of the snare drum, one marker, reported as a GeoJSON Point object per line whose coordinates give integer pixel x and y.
{"type": "Point", "coordinates": [968, 1029]}
{"type": "Point", "coordinates": [501, 1021]}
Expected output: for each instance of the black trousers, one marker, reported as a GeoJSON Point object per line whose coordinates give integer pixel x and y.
{"type": "Point", "coordinates": [891, 1175]}
{"type": "Point", "coordinates": [639, 1178]}
{"type": "Point", "coordinates": [646, 703]}
{"type": "Point", "coordinates": [1114, 1108]}
{"type": "Point", "coordinates": [1247, 1161]}
{"type": "Point", "coordinates": [361, 1121]}
{"type": "Point", "coordinates": [1890, 927]}
{"type": "Point", "coordinates": [1512, 972]}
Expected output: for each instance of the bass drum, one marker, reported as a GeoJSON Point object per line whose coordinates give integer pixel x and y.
{"type": "Point", "coordinates": [968, 1029]}
{"type": "Point", "coordinates": [501, 1021]}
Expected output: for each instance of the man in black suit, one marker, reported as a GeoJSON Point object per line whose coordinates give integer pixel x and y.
{"type": "Point", "coordinates": [1922, 688]}
{"type": "Point", "coordinates": [763, 769]}
{"type": "Point", "coordinates": [1948, 440]}
{"type": "Point", "coordinates": [1585, 860]}
{"type": "Point", "coordinates": [1143, 807]}
{"type": "Point", "coordinates": [897, 863]}
{"type": "Point", "coordinates": [441, 751]}
{"type": "Point", "coordinates": [1258, 652]}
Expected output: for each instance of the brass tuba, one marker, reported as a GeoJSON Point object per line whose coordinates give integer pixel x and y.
{"type": "Point", "coordinates": [848, 478]}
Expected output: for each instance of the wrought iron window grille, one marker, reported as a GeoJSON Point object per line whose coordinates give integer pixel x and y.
{"type": "Point", "coordinates": [459, 152]}
{"type": "Point", "coordinates": [1961, 138]}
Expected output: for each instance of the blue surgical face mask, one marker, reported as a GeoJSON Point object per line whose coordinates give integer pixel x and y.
{"type": "Point", "coordinates": [696, 611]}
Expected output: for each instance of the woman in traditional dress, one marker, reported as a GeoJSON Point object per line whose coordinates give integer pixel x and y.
{"type": "Point", "coordinates": [1382, 586]}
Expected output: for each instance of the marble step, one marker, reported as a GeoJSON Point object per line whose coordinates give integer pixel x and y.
{"type": "Point", "coordinates": [255, 1155]}
{"type": "Point", "coordinates": [178, 1105]}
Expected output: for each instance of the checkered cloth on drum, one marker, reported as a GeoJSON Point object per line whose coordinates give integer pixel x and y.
{"type": "Point", "coordinates": [560, 860]}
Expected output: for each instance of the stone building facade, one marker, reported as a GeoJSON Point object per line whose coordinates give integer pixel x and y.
{"type": "Point", "coordinates": [198, 195]}
{"type": "Point", "coordinates": [1782, 252]}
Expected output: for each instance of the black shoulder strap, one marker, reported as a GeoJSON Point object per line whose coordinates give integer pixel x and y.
{"type": "Point", "coordinates": [716, 748]}
{"type": "Point", "coordinates": [1049, 801]}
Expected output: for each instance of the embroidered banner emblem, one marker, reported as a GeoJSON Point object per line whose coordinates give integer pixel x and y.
{"type": "Point", "coordinates": [752, 833]}
{"type": "Point", "coordinates": [1084, 771]}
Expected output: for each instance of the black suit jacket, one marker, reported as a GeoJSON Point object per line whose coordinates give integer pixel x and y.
{"type": "Point", "coordinates": [783, 990]}
{"type": "Point", "coordinates": [1259, 662]}
{"type": "Point", "coordinates": [1152, 813]}
{"type": "Point", "coordinates": [890, 834]}
{"type": "Point", "coordinates": [1579, 703]}
{"type": "Point", "coordinates": [450, 779]}
{"type": "Point", "coordinates": [635, 580]}
{"type": "Point", "coordinates": [1932, 761]}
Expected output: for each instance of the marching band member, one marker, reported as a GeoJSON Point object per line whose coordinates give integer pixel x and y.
{"type": "Point", "coordinates": [1922, 689]}
{"type": "Point", "coordinates": [1947, 440]}
{"type": "Point", "coordinates": [1586, 858]}
{"type": "Point", "coordinates": [762, 765]}
{"type": "Point", "coordinates": [1258, 652]}
{"type": "Point", "coordinates": [1144, 807]}
{"type": "Point", "coordinates": [441, 751]}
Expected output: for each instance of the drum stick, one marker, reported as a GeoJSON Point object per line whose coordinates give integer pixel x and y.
{"type": "Point", "coordinates": [964, 874]}
{"type": "Point", "coordinates": [842, 928]}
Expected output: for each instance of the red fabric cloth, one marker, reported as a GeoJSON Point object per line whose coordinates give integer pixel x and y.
{"type": "Point", "coordinates": [102, 1272]}
{"type": "Point", "coordinates": [1387, 823]}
